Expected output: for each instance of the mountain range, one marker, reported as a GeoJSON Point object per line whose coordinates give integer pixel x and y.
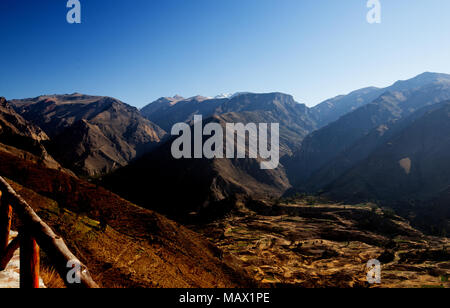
{"type": "Point", "coordinates": [101, 172]}
{"type": "Point", "coordinates": [408, 170]}
{"type": "Point", "coordinates": [217, 183]}
{"type": "Point", "coordinates": [328, 152]}
{"type": "Point", "coordinates": [338, 148]}
{"type": "Point", "coordinates": [90, 135]}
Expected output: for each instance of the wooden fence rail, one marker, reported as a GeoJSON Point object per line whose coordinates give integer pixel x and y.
{"type": "Point", "coordinates": [35, 233]}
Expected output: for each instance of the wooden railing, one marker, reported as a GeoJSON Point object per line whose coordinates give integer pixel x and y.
{"type": "Point", "coordinates": [35, 233]}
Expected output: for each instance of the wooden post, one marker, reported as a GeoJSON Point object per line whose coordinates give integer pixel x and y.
{"type": "Point", "coordinates": [29, 261]}
{"type": "Point", "coordinates": [9, 254]}
{"type": "Point", "coordinates": [36, 230]}
{"type": "Point", "coordinates": [5, 224]}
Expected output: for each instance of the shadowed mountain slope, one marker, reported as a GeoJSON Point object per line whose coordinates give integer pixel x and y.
{"type": "Point", "coordinates": [334, 108]}
{"type": "Point", "coordinates": [412, 164]}
{"type": "Point", "coordinates": [204, 187]}
{"type": "Point", "coordinates": [409, 171]}
{"type": "Point", "coordinates": [194, 188]}
{"type": "Point", "coordinates": [322, 147]}
{"type": "Point", "coordinates": [123, 245]}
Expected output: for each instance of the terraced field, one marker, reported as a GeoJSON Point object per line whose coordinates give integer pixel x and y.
{"type": "Point", "coordinates": [329, 246]}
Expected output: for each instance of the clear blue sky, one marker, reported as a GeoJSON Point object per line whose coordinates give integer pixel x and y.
{"type": "Point", "coordinates": [140, 50]}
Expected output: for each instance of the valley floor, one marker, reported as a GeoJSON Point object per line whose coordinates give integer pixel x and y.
{"type": "Point", "coordinates": [329, 246]}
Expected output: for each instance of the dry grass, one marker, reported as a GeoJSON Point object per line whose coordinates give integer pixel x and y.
{"type": "Point", "coordinates": [51, 278]}
{"type": "Point", "coordinates": [138, 249]}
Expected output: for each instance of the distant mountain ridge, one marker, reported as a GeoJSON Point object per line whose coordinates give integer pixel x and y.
{"type": "Point", "coordinates": [204, 187]}
{"type": "Point", "coordinates": [334, 108]}
{"type": "Point", "coordinates": [414, 158]}
{"type": "Point", "coordinates": [322, 147]}
{"type": "Point", "coordinates": [91, 135]}
{"type": "Point", "coordinates": [216, 182]}
{"type": "Point", "coordinates": [318, 145]}
{"type": "Point", "coordinates": [296, 120]}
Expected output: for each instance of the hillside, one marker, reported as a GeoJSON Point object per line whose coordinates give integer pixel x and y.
{"type": "Point", "coordinates": [168, 111]}
{"type": "Point", "coordinates": [296, 120]}
{"type": "Point", "coordinates": [204, 188]}
{"type": "Point", "coordinates": [334, 108]}
{"type": "Point", "coordinates": [122, 244]}
{"type": "Point", "coordinates": [414, 160]}
{"type": "Point", "coordinates": [21, 138]}
{"type": "Point", "coordinates": [217, 183]}
{"type": "Point", "coordinates": [322, 147]}
{"type": "Point", "coordinates": [13, 124]}
{"type": "Point", "coordinates": [91, 135]}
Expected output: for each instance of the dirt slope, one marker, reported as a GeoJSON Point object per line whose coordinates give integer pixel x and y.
{"type": "Point", "coordinates": [122, 244]}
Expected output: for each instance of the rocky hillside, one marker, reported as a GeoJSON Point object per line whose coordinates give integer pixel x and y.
{"type": "Point", "coordinates": [168, 111]}
{"type": "Point", "coordinates": [91, 135]}
{"type": "Point", "coordinates": [123, 245]}
{"type": "Point", "coordinates": [296, 120]}
{"type": "Point", "coordinates": [217, 183]}
{"type": "Point", "coordinates": [369, 118]}
{"type": "Point", "coordinates": [21, 138]}
{"type": "Point", "coordinates": [331, 110]}
{"type": "Point", "coordinates": [204, 188]}
{"type": "Point", "coordinates": [14, 124]}
{"type": "Point", "coordinates": [411, 165]}
{"type": "Point", "coordinates": [336, 145]}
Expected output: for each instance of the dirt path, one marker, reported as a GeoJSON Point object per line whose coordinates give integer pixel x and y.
{"type": "Point", "coordinates": [10, 277]}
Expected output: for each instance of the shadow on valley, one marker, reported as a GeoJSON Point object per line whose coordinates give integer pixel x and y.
{"type": "Point", "coordinates": [193, 190]}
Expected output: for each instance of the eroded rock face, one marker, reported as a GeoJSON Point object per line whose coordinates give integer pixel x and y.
{"type": "Point", "coordinates": [12, 123]}
{"type": "Point", "coordinates": [22, 138]}
{"type": "Point", "coordinates": [91, 135]}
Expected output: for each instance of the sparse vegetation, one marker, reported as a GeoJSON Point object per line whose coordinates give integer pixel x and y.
{"type": "Point", "coordinates": [51, 278]}
{"type": "Point", "coordinates": [389, 212]}
{"type": "Point", "coordinates": [129, 227]}
{"type": "Point", "coordinates": [270, 250]}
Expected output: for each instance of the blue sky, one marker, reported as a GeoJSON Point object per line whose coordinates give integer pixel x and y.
{"type": "Point", "coordinates": [140, 50]}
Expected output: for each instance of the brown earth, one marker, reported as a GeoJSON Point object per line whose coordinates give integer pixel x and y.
{"type": "Point", "coordinates": [122, 244]}
{"type": "Point", "coordinates": [322, 245]}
